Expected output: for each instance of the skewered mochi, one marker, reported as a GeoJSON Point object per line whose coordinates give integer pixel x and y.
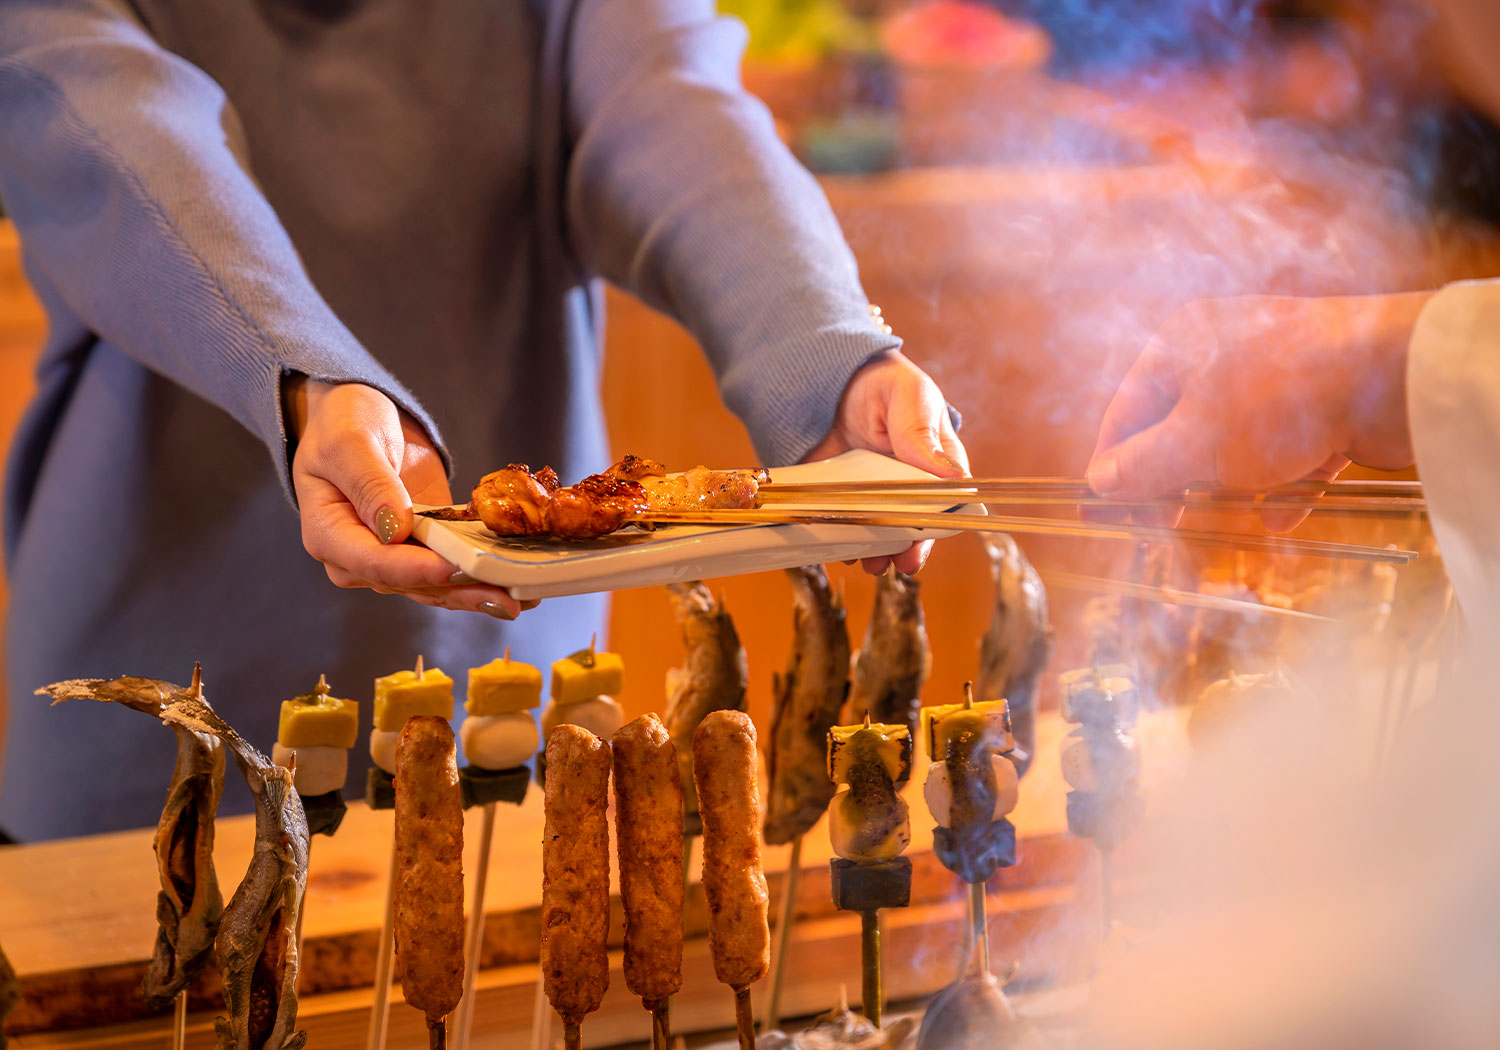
{"type": "Point", "coordinates": [867, 820]}
{"type": "Point", "coordinates": [313, 737]}
{"type": "Point", "coordinates": [403, 695]}
{"type": "Point", "coordinates": [972, 779]}
{"type": "Point", "coordinates": [584, 686]}
{"type": "Point", "coordinates": [938, 790]}
{"type": "Point", "coordinates": [499, 732]}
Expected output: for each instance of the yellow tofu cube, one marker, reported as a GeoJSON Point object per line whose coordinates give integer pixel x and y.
{"type": "Point", "coordinates": [888, 744]}
{"type": "Point", "coordinates": [587, 674]}
{"type": "Point", "coordinates": [503, 687]}
{"type": "Point", "coordinates": [403, 695]}
{"type": "Point", "coordinates": [987, 718]}
{"type": "Point", "coordinates": [318, 719]}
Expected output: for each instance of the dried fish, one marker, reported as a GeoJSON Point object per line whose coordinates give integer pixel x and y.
{"type": "Point", "coordinates": [256, 945]}
{"type": "Point", "coordinates": [895, 659]}
{"type": "Point", "coordinates": [189, 905]}
{"type": "Point", "coordinates": [715, 677]}
{"type": "Point", "coordinates": [1019, 640]}
{"type": "Point", "coordinates": [808, 699]}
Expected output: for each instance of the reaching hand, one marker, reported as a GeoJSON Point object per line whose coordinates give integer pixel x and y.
{"type": "Point", "coordinates": [359, 464]}
{"type": "Point", "coordinates": [1257, 392]}
{"type": "Point", "coordinates": [892, 406]}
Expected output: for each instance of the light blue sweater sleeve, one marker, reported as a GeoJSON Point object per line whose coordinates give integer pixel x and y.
{"type": "Point", "coordinates": [121, 166]}
{"type": "Point", "coordinates": [680, 190]}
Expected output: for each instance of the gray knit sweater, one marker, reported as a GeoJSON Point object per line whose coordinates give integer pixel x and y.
{"type": "Point", "coordinates": [417, 196]}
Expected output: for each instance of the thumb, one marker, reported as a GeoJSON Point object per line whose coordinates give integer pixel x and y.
{"type": "Point", "coordinates": [915, 425]}
{"type": "Point", "coordinates": [1161, 459]}
{"type": "Point", "coordinates": [362, 471]}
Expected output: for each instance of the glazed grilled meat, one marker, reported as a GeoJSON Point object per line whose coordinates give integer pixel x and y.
{"type": "Point", "coordinates": [714, 678]}
{"type": "Point", "coordinates": [429, 892]}
{"type": "Point", "coordinates": [517, 502]}
{"type": "Point", "coordinates": [808, 699]}
{"type": "Point", "coordinates": [189, 905]}
{"type": "Point", "coordinates": [895, 659]}
{"type": "Point", "coordinates": [1019, 640]}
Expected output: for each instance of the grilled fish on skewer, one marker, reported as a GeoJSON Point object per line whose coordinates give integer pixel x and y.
{"type": "Point", "coordinates": [648, 833]}
{"type": "Point", "coordinates": [189, 906]}
{"type": "Point", "coordinates": [895, 660]}
{"type": "Point", "coordinates": [430, 883]}
{"type": "Point", "coordinates": [1019, 640]}
{"type": "Point", "coordinates": [808, 699]}
{"type": "Point", "coordinates": [714, 678]}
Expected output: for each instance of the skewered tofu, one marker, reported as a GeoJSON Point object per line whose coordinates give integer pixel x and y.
{"type": "Point", "coordinates": [313, 738]}
{"type": "Point", "coordinates": [403, 695]}
{"type": "Point", "coordinates": [584, 687]}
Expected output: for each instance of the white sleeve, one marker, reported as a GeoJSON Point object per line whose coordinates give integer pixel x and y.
{"type": "Point", "coordinates": [1453, 399]}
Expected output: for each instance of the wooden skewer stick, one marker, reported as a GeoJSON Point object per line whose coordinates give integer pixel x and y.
{"type": "Point", "coordinates": [437, 1036]}
{"type": "Point", "coordinates": [1106, 893]}
{"type": "Point", "coordinates": [572, 1037]}
{"type": "Point", "coordinates": [872, 984]}
{"type": "Point", "coordinates": [179, 1021]}
{"type": "Point", "coordinates": [744, 1018]}
{"type": "Point", "coordinates": [981, 925]}
{"type": "Point", "coordinates": [783, 937]}
{"type": "Point", "coordinates": [380, 1010]}
{"type": "Point", "coordinates": [959, 494]}
{"type": "Point", "coordinates": [541, 1016]}
{"type": "Point", "coordinates": [1036, 527]}
{"type": "Point", "coordinates": [1079, 486]}
{"type": "Point", "coordinates": [464, 1021]}
{"type": "Point", "coordinates": [661, 1025]}
{"type": "Point", "coordinates": [1173, 596]}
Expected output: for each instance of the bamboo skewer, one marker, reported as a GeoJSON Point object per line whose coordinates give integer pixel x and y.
{"type": "Point", "coordinates": [871, 985]}
{"type": "Point", "coordinates": [179, 1021]}
{"type": "Point", "coordinates": [980, 921]}
{"type": "Point", "coordinates": [783, 936]}
{"type": "Point", "coordinates": [1173, 596]}
{"type": "Point", "coordinates": [541, 1016]}
{"type": "Point", "coordinates": [661, 1025]}
{"type": "Point", "coordinates": [1035, 526]}
{"type": "Point", "coordinates": [380, 1010]}
{"type": "Point", "coordinates": [463, 1017]}
{"type": "Point", "coordinates": [572, 1037]}
{"type": "Point", "coordinates": [1078, 486]}
{"type": "Point", "coordinates": [959, 494]}
{"type": "Point", "coordinates": [744, 1018]}
{"type": "Point", "coordinates": [437, 1036]}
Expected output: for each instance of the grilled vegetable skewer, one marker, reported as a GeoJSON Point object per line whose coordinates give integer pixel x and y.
{"type": "Point", "coordinates": [575, 877]}
{"type": "Point", "coordinates": [734, 881]}
{"type": "Point", "coordinates": [498, 736]}
{"type": "Point", "coordinates": [648, 833]}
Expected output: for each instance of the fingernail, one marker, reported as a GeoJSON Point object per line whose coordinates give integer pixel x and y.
{"type": "Point", "coordinates": [947, 460]}
{"type": "Point", "coordinates": [1104, 475]}
{"type": "Point", "coordinates": [496, 610]}
{"type": "Point", "coordinates": [460, 578]}
{"type": "Point", "coordinates": [387, 524]}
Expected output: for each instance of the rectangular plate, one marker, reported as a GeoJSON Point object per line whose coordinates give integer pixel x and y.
{"type": "Point", "coordinates": [542, 568]}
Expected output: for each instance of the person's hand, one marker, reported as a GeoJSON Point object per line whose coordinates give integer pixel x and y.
{"type": "Point", "coordinates": [892, 406]}
{"type": "Point", "coordinates": [1256, 392]}
{"type": "Point", "coordinates": [359, 464]}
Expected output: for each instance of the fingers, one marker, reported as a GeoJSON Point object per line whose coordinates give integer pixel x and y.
{"type": "Point", "coordinates": [909, 561]}
{"type": "Point", "coordinates": [1285, 519]}
{"type": "Point", "coordinates": [919, 428]}
{"type": "Point", "coordinates": [1163, 458]}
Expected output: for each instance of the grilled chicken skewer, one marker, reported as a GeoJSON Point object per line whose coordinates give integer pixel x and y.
{"type": "Point", "coordinates": [189, 906]}
{"type": "Point", "coordinates": [808, 699]}
{"type": "Point", "coordinates": [648, 834]}
{"type": "Point", "coordinates": [739, 936]}
{"type": "Point", "coordinates": [575, 877]}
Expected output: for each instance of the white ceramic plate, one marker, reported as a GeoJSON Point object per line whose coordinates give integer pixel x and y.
{"type": "Point", "coordinates": [543, 568]}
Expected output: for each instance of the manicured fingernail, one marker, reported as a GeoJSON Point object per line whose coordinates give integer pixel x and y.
{"type": "Point", "coordinates": [496, 610]}
{"type": "Point", "coordinates": [387, 524]}
{"type": "Point", "coordinates": [947, 460]}
{"type": "Point", "coordinates": [460, 578]}
{"type": "Point", "coordinates": [1104, 475]}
